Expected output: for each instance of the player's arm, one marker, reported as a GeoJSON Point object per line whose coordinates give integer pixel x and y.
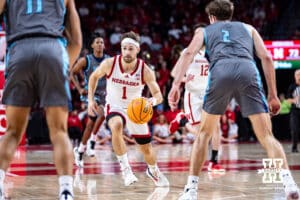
{"type": "Point", "coordinates": [187, 56]}
{"type": "Point", "coordinates": [73, 32]}
{"type": "Point", "coordinates": [268, 69]}
{"type": "Point", "coordinates": [267, 63]}
{"type": "Point", "coordinates": [78, 67]}
{"type": "Point", "coordinates": [103, 69]}
{"type": "Point", "coordinates": [175, 71]}
{"type": "Point", "coordinates": [2, 6]}
{"type": "Point", "coordinates": [150, 80]}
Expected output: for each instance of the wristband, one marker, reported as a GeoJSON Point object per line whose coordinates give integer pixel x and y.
{"type": "Point", "coordinates": [153, 100]}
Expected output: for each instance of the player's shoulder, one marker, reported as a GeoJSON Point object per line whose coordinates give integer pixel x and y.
{"type": "Point", "coordinates": [109, 61]}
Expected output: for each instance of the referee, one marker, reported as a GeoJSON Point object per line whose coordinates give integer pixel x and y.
{"type": "Point", "coordinates": [294, 98]}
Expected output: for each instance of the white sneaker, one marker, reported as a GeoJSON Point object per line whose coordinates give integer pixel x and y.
{"type": "Point", "coordinates": [189, 193]}
{"type": "Point", "coordinates": [158, 178]}
{"type": "Point", "coordinates": [291, 190]}
{"type": "Point", "coordinates": [90, 150]}
{"type": "Point", "coordinates": [128, 177]}
{"type": "Point", "coordinates": [66, 195]}
{"type": "Point", "coordinates": [78, 157]}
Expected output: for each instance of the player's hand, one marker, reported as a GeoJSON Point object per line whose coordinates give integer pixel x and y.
{"type": "Point", "coordinates": [83, 92]}
{"type": "Point", "coordinates": [92, 108]}
{"type": "Point", "coordinates": [274, 105]}
{"type": "Point", "coordinates": [174, 96]}
{"type": "Point", "coordinates": [152, 101]}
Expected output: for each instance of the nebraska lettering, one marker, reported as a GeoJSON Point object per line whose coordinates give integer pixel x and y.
{"type": "Point", "coordinates": [116, 80]}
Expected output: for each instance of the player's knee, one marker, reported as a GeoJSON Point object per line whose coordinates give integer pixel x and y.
{"type": "Point", "coordinates": [145, 149]}
{"type": "Point", "coordinates": [116, 126]}
{"type": "Point", "coordinates": [14, 133]}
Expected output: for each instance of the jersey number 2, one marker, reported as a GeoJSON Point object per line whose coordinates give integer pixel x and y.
{"type": "Point", "coordinates": [225, 36]}
{"type": "Point", "coordinates": [30, 6]}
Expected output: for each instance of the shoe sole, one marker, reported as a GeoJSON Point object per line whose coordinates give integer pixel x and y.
{"type": "Point", "coordinates": [155, 182]}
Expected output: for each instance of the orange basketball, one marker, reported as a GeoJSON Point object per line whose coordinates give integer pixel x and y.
{"type": "Point", "coordinates": [139, 110]}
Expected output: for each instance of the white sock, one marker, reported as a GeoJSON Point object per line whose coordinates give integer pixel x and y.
{"type": "Point", "coordinates": [65, 183]}
{"type": "Point", "coordinates": [81, 148]}
{"type": "Point", "coordinates": [286, 176]}
{"type": "Point", "coordinates": [2, 176]}
{"type": "Point", "coordinates": [123, 160]}
{"type": "Point", "coordinates": [93, 137]}
{"type": "Point", "coordinates": [153, 167]}
{"type": "Point", "coordinates": [193, 180]}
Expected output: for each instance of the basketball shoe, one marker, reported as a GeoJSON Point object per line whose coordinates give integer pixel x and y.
{"type": "Point", "coordinates": [189, 193]}
{"type": "Point", "coordinates": [66, 195]}
{"type": "Point", "coordinates": [290, 187]}
{"type": "Point", "coordinates": [157, 177]}
{"type": "Point", "coordinates": [215, 167]}
{"type": "Point", "coordinates": [175, 123]}
{"type": "Point", "coordinates": [78, 157]}
{"type": "Point", "coordinates": [90, 151]}
{"type": "Point", "coordinates": [128, 177]}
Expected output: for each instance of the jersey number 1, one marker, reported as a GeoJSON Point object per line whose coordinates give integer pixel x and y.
{"type": "Point", "coordinates": [124, 93]}
{"type": "Point", "coordinates": [30, 6]}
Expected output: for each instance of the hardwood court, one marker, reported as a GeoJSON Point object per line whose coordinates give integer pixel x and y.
{"type": "Point", "coordinates": [32, 175]}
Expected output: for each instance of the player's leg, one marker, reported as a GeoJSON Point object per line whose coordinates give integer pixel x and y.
{"type": "Point", "coordinates": [16, 121]}
{"type": "Point", "coordinates": [54, 93]}
{"type": "Point", "coordinates": [150, 157]}
{"type": "Point", "coordinates": [79, 151]}
{"type": "Point", "coordinates": [92, 140]}
{"type": "Point", "coordinates": [262, 126]}
{"type": "Point", "coordinates": [62, 148]}
{"type": "Point", "coordinates": [18, 96]}
{"type": "Point", "coordinates": [116, 123]}
{"type": "Point", "coordinates": [217, 97]}
{"type": "Point", "coordinates": [213, 165]}
{"type": "Point", "coordinates": [199, 152]}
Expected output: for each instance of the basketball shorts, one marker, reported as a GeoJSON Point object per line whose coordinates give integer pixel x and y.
{"type": "Point", "coordinates": [138, 131]}
{"type": "Point", "coordinates": [37, 70]}
{"type": "Point", "coordinates": [193, 103]}
{"type": "Point", "coordinates": [237, 79]}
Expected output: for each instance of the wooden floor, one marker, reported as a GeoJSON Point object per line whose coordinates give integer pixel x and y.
{"type": "Point", "coordinates": [32, 175]}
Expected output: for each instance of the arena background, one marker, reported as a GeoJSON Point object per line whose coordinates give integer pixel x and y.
{"type": "Point", "coordinates": [165, 28]}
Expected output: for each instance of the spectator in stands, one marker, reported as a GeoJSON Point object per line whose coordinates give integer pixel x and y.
{"type": "Point", "coordinates": [160, 130]}
{"type": "Point", "coordinates": [74, 127]}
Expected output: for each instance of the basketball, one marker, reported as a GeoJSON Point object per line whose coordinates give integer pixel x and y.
{"type": "Point", "coordinates": [139, 110]}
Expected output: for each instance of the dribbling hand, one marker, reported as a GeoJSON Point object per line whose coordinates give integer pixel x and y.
{"type": "Point", "coordinates": [274, 105]}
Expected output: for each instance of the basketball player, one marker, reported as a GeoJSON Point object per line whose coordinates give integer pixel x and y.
{"type": "Point", "coordinates": [232, 73]}
{"type": "Point", "coordinates": [37, 65]}
{"type": "Point", "coordinates": [195, 80]}
{"type": "Point", "coordinates": [88, 64]}
{"type": "Point", "coordinates": [126, 76]}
